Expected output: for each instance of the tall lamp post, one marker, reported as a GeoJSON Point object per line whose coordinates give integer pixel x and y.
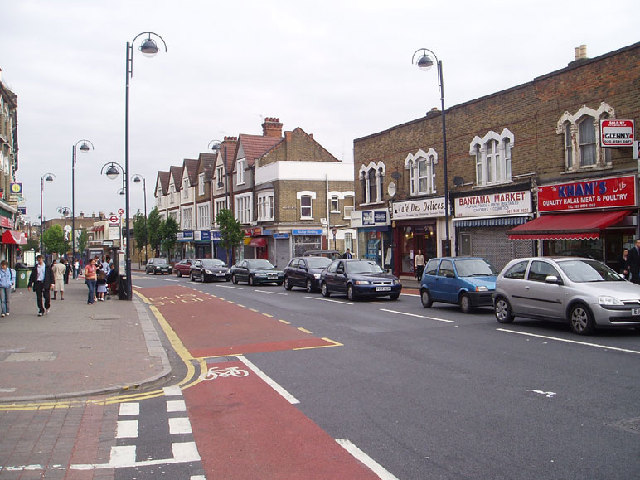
{"type": "Point", "coordinates": [215, 146]}
{"type": "Point", "coordinates": [112, 171]}
{"type": "Point", "coordinates": [137, 179]}
{"type": "Point", "coordinates": [422, 58]}
{"type": "Point", "coordinates": [148, 48]}
{"type": "Point", "coordinates": [85, 146]}
{"type": "Point", "coordinates": [47, 177]}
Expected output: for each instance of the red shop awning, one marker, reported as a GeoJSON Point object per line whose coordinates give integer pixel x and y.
{"type": "Point", "coordinates": [567, 226]}
{"type": "Point", "coordinates": [258, 242]}
{"type": "Point", "coordinates": [14, 237]}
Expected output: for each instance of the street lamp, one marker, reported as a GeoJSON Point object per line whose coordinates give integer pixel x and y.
{"type": "Point", "coordinates": [47, 177]}
{"type": "Point", "coordinates": [423, 60]}
{"type": "Point", "coordinates": [85, 146]}
{"type": "Point", "coordinates": [64, 211]}
{"type": "Point", "coordinates": [148, 48]}
{"type": "Point", "coordinates": [137, 179]}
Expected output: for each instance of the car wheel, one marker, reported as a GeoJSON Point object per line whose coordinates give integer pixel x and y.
{"type": "Point", "coordinates": [178, 274]}
{"type": "Point", "coordinates": [251, 281]}
{"type": "Point", "coordinates": [350, 293]}
{"type": "Point", "coordinates": [504, 314]}
{"type": "Point", "coordinates": [465, 303]}
{"type": "Point", "coordinates": [325, 290]}
{"type": "Point", "coordinates": [193, 278]}
{"type": "Point", "coordinates": [147, 272]}
{"type": "Point", "coordinates": [581, 319]}
{"type": "Point", "coordinates": [309, 286]}
{"type": "Point", "coordinates": [425, 298]}
{"type": "Point", "coordinates": [234, 279]}
{"type": "Point", "coordinates": [202, 278]}
{"type": "Point", "coordinates": [395, 296]}
{"type": "Point", "coordinates": [287, 284]}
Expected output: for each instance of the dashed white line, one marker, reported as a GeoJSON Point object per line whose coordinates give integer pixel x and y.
{"type": "Point", "coordinates": [173, 390]}
{"type": "Point", "coordinates": [176, 406]}
{"type": "Point", "coordinates": [269, 381]}
{"type": "Point", "coordinates": [179, 425]}
{"type": "Point", "coordinates": [417, 316]}
{"type": "Point", "coordinates": [566, 340]}
{"type": "Point", "coordinates": [331, 301]}
{"type": "Point", "coordinates": [127, 429]}
{"type": "Point", "coordinates": [129, 408]}
{"type": "Point", "coordinates": [374, 466]}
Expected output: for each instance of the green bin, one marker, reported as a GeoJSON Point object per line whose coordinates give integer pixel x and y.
{"type": "Point", "coordinates": [22, 277]}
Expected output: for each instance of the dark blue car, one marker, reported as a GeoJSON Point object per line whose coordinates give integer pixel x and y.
{"type": "Point", "coordinates": [358, 279]}
{"type": "Point", "coordinates": [468, 281]}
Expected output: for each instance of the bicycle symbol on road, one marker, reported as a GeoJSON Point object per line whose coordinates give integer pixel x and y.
{"type": "Point", "coordinates": [215, 372]}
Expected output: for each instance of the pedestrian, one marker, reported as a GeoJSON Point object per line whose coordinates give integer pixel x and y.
{"type": "Point", "coordinates": [7, 283]}
{"type": "Point", "coordinates": [634, 262]}
{"type": "Point", "coordinates": [76, 269]}
{"type": "Point", "coordinates": [347, 254]}
{"type": "Point", "coordinates": [624, 264]}
{"type": "Point", "coordinates": [67, 271]}
{"type": "Point", "coordinates": [58, 269]}
{"type": "Point", "coordinates": [90, 280]}
{"type": "Point", "coordinates": [418, 263]}
{"type": "Point", "coordinates": [105, 265]}
{"type": "Point", "coordinates": [101, 283]}
{"type": "Point", "coordinates": [41, 279]}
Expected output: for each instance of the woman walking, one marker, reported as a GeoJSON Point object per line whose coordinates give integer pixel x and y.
{"type": "Point", "coordinates": [7, 282]}
{"type": "Point", "coordinates": [90, 280]}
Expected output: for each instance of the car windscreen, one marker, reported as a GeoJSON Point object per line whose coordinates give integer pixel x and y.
{"type": "Point", "coordinates": [212, 263]}
{"type": "Point", "coordinates": [259, 263]}
{"type": "Point", "coordinates": [319, 262]}
{"type": "Point", "coordinates": [160, 262]}
{"type": "Point", "coordinates": [363, 267]}
{"type": "Point", "coordinates": [474, 267]}
{"type": "Point", "coordinates": [582, 271]}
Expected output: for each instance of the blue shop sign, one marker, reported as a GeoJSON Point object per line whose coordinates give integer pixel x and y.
{"type": "Point", "coordinates": [215, 235]}
{"type": "Point", "coordinates": [203, 236]}
{"type": "Point", "coordinates": [280, 236]}
{"type": "Point", "coordinates": [307, 231]}
{"type": "Point", "coordinates": [380, 216]}
{"type": "Point", "coordinates": [185, 236]}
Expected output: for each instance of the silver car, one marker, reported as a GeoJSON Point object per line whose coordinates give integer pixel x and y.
{"type": "Point", "coordinates": [582, 291]}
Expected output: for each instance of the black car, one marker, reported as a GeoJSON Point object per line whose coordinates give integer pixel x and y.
{"type": "Point", "coordinates": [305, 272]}
{"type": "Point", "coordinates": [209, 269]}
{"type": "Point", "coordinates": [256, 271]}
{"type": "Point", "coordinates": [359, 278]}
{"type": "Point", "coordinates": [158, 265]}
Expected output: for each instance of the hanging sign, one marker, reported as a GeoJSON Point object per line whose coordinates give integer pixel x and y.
{"type": "Point", "coordinates": [616, 133]}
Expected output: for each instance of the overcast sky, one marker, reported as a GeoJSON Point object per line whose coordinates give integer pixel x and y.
{"type": "Point", "coordinates": [337, 69]}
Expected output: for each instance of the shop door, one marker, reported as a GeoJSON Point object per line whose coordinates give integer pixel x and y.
{"type": "Point", "coordinates": [262, 252]}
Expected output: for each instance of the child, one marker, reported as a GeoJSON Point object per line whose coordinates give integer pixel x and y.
{"type": "Point", "coordinates": [101, 283]}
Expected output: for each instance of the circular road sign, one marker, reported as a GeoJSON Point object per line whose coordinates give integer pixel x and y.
{"type": "Point", "coordinates": [113, 219]}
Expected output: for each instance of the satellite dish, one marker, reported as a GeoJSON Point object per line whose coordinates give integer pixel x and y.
{"type": "Point", "coordinates": [391, 189]}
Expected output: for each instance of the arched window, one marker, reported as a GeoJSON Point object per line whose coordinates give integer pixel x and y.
{"type": "Point", "coordinates": [492, 154]}
{"type": "Point", "coordinates": [421, 168]}
{"type": "Point", "coordinates": [372, 182]}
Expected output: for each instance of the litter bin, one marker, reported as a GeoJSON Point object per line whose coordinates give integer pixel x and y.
{"type": "Point", "coordinates": [22, 277]}
{"type": "Point", "coordinates": [123, 288]}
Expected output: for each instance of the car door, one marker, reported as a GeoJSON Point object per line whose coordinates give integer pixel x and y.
{"type": "Point", "coordinates": [513, 284]}
{"type": "Point", "coordinates": [448, 282]}
{"type": "Point", "coordinates": [545, 299]}
{"type": "Point", "coordinates": [197, 270]}
{"type": "Point", "coordinates": [296, 276]}
{"type": "Point", "coordinates": [330, 277]}
{"type": "Point", "coordinates": [243, 271]}
{"type": "Point", "coordinates": [340, 277]}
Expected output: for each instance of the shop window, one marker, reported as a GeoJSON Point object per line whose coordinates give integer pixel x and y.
{"type": "Point", "coordinates": [492, 154]}
{"type": "Point", "coordinates": [371, 182]}
{"type": "Point", "coordinates": [464, 244]}
{"type": "Point", "coordinates": [581, 133]}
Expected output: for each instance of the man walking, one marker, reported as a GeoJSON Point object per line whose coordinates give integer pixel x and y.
{"type": "Point", "coordinates": [41, 279]}
{"type": "Point", "coordinates": [634, 262]}
{"type": "Point", "coordinates": [347, 254]}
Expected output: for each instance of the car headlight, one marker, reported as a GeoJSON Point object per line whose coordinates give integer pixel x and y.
{"type": "Point", "coordinates": [208, 272]}
{"type": "Point", "coordinates": [316, 276]}
{"type": "Point", "coordinates": [482, 289]}
{"type": "Point", "coordinates": [362, 282]}
{"type": "Point", "coordinates": [604, 300]}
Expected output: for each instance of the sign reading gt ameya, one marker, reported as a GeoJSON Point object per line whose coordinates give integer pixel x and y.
{"type": "Point", "coordinates": [597, 193]}
{"type": "Point", "coordinates": [616, 133]}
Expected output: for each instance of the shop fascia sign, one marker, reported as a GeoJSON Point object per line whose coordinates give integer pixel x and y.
{"type": "Point", "coordinates": [185, 236]}
{"type": "Point", "coordinates": [369, 218]}
{"type": "Point", "coordinates": [426, 208]}
{"type": "Point", "coordinates": [597, 193]}
{"type": "Point", "coordinates": [616, 133]}
{"type": "Point", "coordinates": [505, 203]}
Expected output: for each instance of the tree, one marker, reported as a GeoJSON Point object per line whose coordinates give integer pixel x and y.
{"type": "Point", "coordinates": [153, 228]}
{"type": "Point", "coordinates": [169, 234]}
{"type": "Point", "coordinates": [231, 234]}
{"type": "Point", "coordinates": [53, 240]}
{"type": "Point", "coordinates": [32, 244]}
{"type": "Point", "coordinates": [83, 240]}
{"type": "Point", "coordinates": [140, 233]}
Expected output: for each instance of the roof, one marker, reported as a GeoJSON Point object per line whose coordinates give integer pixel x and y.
{"type": "Point", "coordinates": [206, 161]}
{"type": "Point", "coordinates": [163, 181]}
{"type": "Point", "coordinates": [176, 174]}
{"type": "Point", "coordinates": [191, 165]}
{"type": "Point", "coordinates": [254, 146]}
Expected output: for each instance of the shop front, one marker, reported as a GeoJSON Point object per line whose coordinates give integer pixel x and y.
{"type": "Point", "coordinates": [306, 239]}
{"type": "Point", "coordinates": [374, 236]}
{"type": "Point", "coordinates": [203, 243]}
{"type": "Point", "coordinates": [186, 246]}
{"type": "Point", "coordinates": [482, 222]}
{"type": "Point", "coordinates": [594, 218]}
{"type": "Point", "coordinates": [417, 225]}
{"type": "Point", "coordinates": [256, 244]}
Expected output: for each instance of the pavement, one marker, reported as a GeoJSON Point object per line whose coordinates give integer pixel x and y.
{"type": "Point", "coordinates": [77, 349]}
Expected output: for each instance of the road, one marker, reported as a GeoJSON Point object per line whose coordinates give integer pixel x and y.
{"type": "Point", "coordinates": [413, 393]}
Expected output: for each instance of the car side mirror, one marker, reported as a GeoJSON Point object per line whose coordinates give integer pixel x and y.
{"type": "Point", "coordinates": [553, 279]}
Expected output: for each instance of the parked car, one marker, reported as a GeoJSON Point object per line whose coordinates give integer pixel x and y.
{"type": "Point", "coordinates": [183, 267]}
{"type": "Point", "coordinates": [331, 254]}
{"type": "Point", "coordinates": [209, 269]}
{"type": "Point", "coordinates": [467, 281]}
{"type": "Point", "coordinates": [256, 271]}
{"type": "Point", "coordinates": [158, 265]}
{"type": "Point", "coordinates": [581, 291]}
{"type": "Point", "coordinates": [305, 272]}
{"type": "Point", "coordinates": [358, 278]}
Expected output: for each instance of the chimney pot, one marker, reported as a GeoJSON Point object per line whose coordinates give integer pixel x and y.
{"type": "Point", "coordinates": [272, 127]}
{"type": "Point", "coordinates": [581, 52]}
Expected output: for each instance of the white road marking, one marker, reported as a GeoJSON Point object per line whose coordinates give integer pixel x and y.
{"type": "Point", "coordinates": [417, 316]}
{"type": "Point", "coordinates": [546, 394]}
{"type": "Point", "coordinates": [198, 477]}
{"type": "Point", "coordinates": [332, 301]}
{"type": "Point", "coordinates": [565, 340]}
{"type": "Point", "coordinates": [176, 406]}
{"type": "Point", "coordinates": [185, 452]}
{"type": "Point", "coordinates": [7, 390]}
{"type": "Point", "coordinates": [127, 429]}
{"type": "Point", "coordinates": [225, 286]}
{"type": "Point", "coordinates": [125, 457]}
{"type": "Point", "coordinates": [173, 390]}
{"type": "Point", "coordinates": [410, 294]}
{"type": "Point", "coordinates": [179, 425]}
{"type": "Point", "coordinates": [269, 381]}
{"type": "Point", "coordinates": [122, 456]}
{"type": "Point", "coordinates": [171, 280]}
{"type": "Point", "coordinates": [374, 466]}
{"type": "Point", "coordinates": [129, 409]}
{"type": "Point", "coordinates": [263, 291]}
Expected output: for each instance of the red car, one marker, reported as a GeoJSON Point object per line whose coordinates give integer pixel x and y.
{"type": "Point", "coordinates": [183, 267]}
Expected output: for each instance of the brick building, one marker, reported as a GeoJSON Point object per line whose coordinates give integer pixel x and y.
{"type": "Point", "coordinates": [534, 150]}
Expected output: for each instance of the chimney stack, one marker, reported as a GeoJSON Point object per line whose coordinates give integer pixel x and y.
{"type": "Point", "coordinates": [581, 52]}
{"type": "Point", "coordinates": [272, 128]}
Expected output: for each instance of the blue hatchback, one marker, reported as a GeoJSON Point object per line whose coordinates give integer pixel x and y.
{"type": "Point", "coordinates": [467, 281]}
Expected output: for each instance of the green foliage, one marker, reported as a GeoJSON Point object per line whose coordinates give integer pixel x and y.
{"type": "Point", "coordinates": [83, 240]}
{"type": "Point", "coordinates": [153, 228]}
{"type": "Point", "coordinates": [231, 233]}
{"type": "Point", "coordinates": [140, 233]}
{"type": "Point", "coordinates": [53, 240]}
{"type": "Point", "coordinates": [169, 234]}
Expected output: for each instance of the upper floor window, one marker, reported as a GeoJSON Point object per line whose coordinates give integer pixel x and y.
{"type": "Point", "coordinates": [335, 204]}
{"type": "Point", "coordinates": [306, 204]}
{"type": "Point", "coordinates": [240, 171]}
{"type": "Point", "coordinates": [421, 168]}
{"type": "Point", "coordinates": [372, 180]}
{"type": "Point", "coordinates": [243, 208]}
{"type": "Point", "coordinates": [201, 184]}
{"type": "Point", "coordinates": [582, 138]}
{"type": "Point", "coordinates": [492, 155]}
{"type": "Point", "coordinates": [219, 177]}
{"type": "Point", "coordinates": [185, 188]}
{"type": "Point", "coordinates": [204, 221]}
{"type": "Point", "coordinates": [265, 206]}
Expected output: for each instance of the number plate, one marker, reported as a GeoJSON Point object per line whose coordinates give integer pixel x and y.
{"type": "Point", "coordinates": [635, 311]}
{"type": "Point", "coordinates": [383, 289]}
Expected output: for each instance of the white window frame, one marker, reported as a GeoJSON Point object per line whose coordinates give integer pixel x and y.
{"type": "Point", "coordinates": [312, 197]}
{"type": "Point", "coordinates": [413, 162]}
{"type": "Point", "coordinates": [201, 184]}
{"type": "Point", "coordinates": [378, 179]}
{"type": "Point", "coordinates": [492, 156]}
{"type": "Point", "coordinates": [220, 204]}
{"type": "Point", "coordinates": [187, 216]}
{"type": "Point", "coordinates": [240, 166]}
{"type": "Point", "coordinates": [574, 146]}
{"type": "Point", "coordinates": [335, 204]}
{"type": "Point", "coordinates": [244, 208]}
{"type": "Point", "coordinates": [204, 219]}
{"type": "Point", "coordinates": [185, 188]}
{"type": "Point", "coordinates": [219, 177]}
{"type": "Point", "coordinates": [265, 206]}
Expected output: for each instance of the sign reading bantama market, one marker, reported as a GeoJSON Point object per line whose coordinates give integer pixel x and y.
{"type": "Point", "coordinates": [505, 203]}
{"type": "Point", "coordinates": [616, 133]}
{"type": "Point", "coordinates": [598, 193]}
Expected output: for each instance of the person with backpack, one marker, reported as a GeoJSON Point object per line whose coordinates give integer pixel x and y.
{"type": "Point", "coordinates": [7, 283]}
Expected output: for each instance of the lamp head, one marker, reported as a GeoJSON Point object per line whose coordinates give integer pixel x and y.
{"type": "Point", "coordinates": [48, 178]}
{"type": "Point", "coordinates": [121, 191]}
{"type": "Point", "coordinates": [84, 147]}
{"type": "Point", "coordinates": [425, 62]}
{"type": "Point", "coordinates": [112, 172]}
{"type": "Point", "coordinates": [149, 47]}
{"type": "Point", "coordinates": [137, 179]}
